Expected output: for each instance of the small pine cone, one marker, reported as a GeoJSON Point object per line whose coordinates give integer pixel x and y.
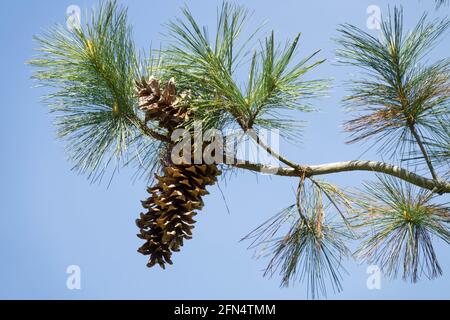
{"type": "Point", "coordinates": [172, 207]}
{"type": "Point", "coordinates": [162, 105]}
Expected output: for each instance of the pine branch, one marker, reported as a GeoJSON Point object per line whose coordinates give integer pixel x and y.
{"type": "Point", "coordinates": [147, 130]}
{"type": "Point", "coordinates": [439, 187]}
{"type": "Point", "coordinates": [424, 151]}
{"type": "Point", "coordinates": [269, 150]}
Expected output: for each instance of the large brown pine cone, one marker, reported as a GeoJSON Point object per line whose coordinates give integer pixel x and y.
{"type": "Point", "coordinates": [178, 193]}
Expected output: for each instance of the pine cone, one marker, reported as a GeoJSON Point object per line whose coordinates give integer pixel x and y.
{"type": "Point", "coordinates": [178, 193]}
{"type": "Point", "coordinates": [162, 105]}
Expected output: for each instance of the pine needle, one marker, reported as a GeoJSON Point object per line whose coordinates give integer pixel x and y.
{"type": "Point", "coordinates": [312, 250]}
{"type": "Point", "coordinates": [398, 93]}
{"type": "Point", "coordinates": [91, 70]}
{"type": "Point", "coordinates": [400, 223]}
{"type": "Point", "coordinates": [275, 81]}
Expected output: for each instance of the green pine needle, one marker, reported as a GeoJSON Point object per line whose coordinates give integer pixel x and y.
{"type": "Point", "coordinates": [91, 70]}
{"type": "Point", "coordinates": [314, 247]}
{"type": "Point", "coordinates": [400, 223]}
{"type": "Point", "coordinates": [440, 3]}
{"type": "Point", "coordinates": [277, 84]}
{"type": "Point", "coordinates": [398, 91]}
{"type": "Point", "coordinates": [207, 68]}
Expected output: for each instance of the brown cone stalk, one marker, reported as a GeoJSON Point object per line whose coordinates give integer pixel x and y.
{"type": "Point", "coordinates": [177, 195]}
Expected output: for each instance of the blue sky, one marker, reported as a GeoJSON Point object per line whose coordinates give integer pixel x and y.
{"type": "Point", "coordinates": [50, 218]}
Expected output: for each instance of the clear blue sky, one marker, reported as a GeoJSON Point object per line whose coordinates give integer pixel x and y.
{"type": "Point", "coordinates": [51, 218]}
